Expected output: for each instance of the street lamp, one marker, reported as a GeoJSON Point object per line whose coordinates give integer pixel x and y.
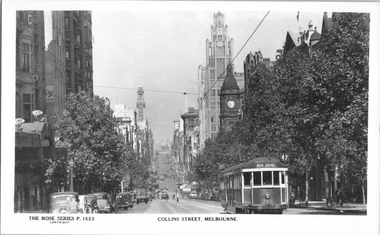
{"type": "Point", "coordinates": [71, 164]}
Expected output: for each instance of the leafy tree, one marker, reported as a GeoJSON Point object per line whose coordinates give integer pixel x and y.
{"type": "Point", "coordinates": [88, 130]}
{"type": "Point", "coordinates": [342, 69]}
{"type": "Point", "coordinates": [314, 105]}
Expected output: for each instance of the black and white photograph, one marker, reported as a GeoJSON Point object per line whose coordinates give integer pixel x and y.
{"type": "Point", "coordinates": [190, 117]}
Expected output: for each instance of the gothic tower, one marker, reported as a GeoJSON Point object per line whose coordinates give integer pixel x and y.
{"type": "Point", "coordinates": [219, 51]}
{"type": "Point", "coordinates": [230, 104]}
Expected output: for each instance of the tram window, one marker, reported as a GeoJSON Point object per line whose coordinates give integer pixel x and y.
{"type": "Point", "coordinates": [282, 177]}
{"type": "Point", "coordinates": [267, 177]}
{"type": "Point", "coordinates": [257, 178]}
{"type": "Point", "coordinates": [247, 178]}
{"type": "Point", "coordinates": [276, 177]}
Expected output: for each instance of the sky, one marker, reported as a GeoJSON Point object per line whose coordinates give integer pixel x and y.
{"type": "Point", "coordinates": [161, 51]}
{"type": "Point", "coordinates": [145, 44]}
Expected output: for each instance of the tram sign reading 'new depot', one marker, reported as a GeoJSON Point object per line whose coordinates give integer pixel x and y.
{"type": "Point", "coordinates": [266, 165]}
{"type": "Point", "coordinates": [259, 162]}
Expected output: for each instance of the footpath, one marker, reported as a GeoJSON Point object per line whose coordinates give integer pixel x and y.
{"type": "Point", "coordinates": [321, 205]}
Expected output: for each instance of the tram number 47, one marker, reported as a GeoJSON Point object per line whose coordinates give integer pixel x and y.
{"type": "Point", "coordinates": [284, 157]}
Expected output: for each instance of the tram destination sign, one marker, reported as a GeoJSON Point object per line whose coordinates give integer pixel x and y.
{"type": "Point", "coordinates": [268, 165]}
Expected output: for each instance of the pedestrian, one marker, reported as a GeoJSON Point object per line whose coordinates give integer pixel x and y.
{"type": "Point", "coordinates": [337, 196]}
{"type": "Point", "coordinates": [177, 197]}
{"type": "Point", "coordinates": [173, 196]}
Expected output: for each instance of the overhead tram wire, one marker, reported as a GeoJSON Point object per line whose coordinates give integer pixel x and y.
{"type": "Point", "coordinates": [64, 65]}
{"type": "Point", "coordinates": [172, 92]}
{"type": "Point", "coordinates": [235, 56]}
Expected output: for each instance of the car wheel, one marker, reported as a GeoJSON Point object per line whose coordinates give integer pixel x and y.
{"type": "Point", "coordinates": [95, 211]}
{"type": "Point", "coordinates": [63, 210]}
{"type": "Point", "coordinates": [88, 210]}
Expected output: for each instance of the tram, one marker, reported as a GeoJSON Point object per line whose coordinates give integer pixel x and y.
{"type": "Point", "coordinates": [259, 185]}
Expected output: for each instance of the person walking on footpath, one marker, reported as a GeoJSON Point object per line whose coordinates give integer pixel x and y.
{"type": "Point", "coordinates": [177, 197]}
{"type": "Point", "coordinates": [337, 196]}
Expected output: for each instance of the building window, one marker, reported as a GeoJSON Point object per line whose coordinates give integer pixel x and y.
{"type": "Point", "coordinates": [27, 106]}
{"type": "Point", "coordinates": [67, 52]}
{"type": "Point", "coordinates": [79, 39]}
{"type": "Point", "coordinates": [67, 22]}
{"type": "Point", "coordinates": [25, 57]}
{"type": "Point", "coordinates": [68, 79]}
{"type": "Point", "coordinates": [79, 62]}
{"type": "Point", "coordinates": [213, 92]}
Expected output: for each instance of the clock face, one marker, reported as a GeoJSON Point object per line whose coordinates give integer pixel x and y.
{"type": "Point", "coordinates": [230, 104]}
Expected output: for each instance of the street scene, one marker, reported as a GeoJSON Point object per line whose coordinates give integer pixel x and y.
{"type": "Point", "coordinates": [191, 112]}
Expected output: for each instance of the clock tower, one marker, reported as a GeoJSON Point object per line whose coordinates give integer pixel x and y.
{"type": "Point", "coordinates": [230, 104]}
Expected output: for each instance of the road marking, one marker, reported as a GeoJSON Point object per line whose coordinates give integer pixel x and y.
{"type": "Point", "coordinates": [178, 204]}
{"type": "Point", "coordinates": [202, 205]}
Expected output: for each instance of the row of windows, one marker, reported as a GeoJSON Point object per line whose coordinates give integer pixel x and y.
{"type": "Point", "coordinates": [215, 91]}
{"type": "Point", "coordinates": [257, 178]}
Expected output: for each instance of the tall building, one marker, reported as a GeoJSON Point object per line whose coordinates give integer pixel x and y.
{"type": "Point", "coordinates": [127, 123]}
{"type": "Point", "coordinates": [219, 52]}
{"type": "Point", "coordinates": [33, 139]}
{"type": "Point", "coordinates": [201, 105]}
{"type": "Point", "coordinates": [141, 109]}
{"type": "Point", "coordinates": [190, 135]}
{"type": "Point", "coordinates": [30, 64]}
{"type": "Point", "coordinates": [55, 65]}
{"type": "Point", "coordinates": [144, 140]}
{"type": "Point", "coordinates": [78, 51]}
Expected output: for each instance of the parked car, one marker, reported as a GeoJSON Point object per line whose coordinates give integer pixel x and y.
{"type": "Point", "coordinates": [142, 195]}
{"type": "Point", "coordinates": [123, 201]}
{"type": "Point", "coordinates": [64, 203]}
{"type": "Point", "coordinates": [89, 204]}
{"type": "Point", "coordinates": [105, 202]}
{"type": "Point", "coordinates": [193, 194]}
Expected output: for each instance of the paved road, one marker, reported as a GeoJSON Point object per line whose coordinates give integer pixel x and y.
{"type": "Point", "coordinates": [194, 206]}
{"type": "Point", "coordinates": [184, 206]}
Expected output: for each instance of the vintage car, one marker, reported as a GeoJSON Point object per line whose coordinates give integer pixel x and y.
{"type": "Point", "coordinates": [142, 195]}
{"type": "Point", "coordinates": [123, 201]}
{"type": "Point", "coordinates": [89, 204]}
{"type": "Point", "coordinates": [193, 194]}
{"type": "Point", "coordinates": [105, 202]}
{"type": "Point", "coordinates": [64, 203]}
{"type": "Point", "coordinates": [164, 195]}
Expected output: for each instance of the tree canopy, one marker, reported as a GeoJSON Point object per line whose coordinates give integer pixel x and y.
{"type": "Point", "coordinates": [89, 131]}
{"type": "Point", "coordinates": [311, 105]}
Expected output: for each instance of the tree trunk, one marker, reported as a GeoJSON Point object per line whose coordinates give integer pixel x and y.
{"type": "Point", "coordinates": [307, 184]}
{"type": "Point", "coordinates": [363, 190]}
{"type": "Point", "coordinates": [327, 186]}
